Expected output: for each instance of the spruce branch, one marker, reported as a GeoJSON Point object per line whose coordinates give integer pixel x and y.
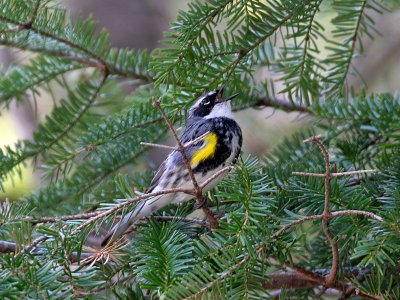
{"type": "Point", "coordinates": [57, 127]}
{"type": "Point", "coordinates": [321, 280]}
{"type": "Point", "coordinates": [354, 41]}
{"type": "Point", "coordinates": [11, 247]}
{"type": "Point", "coordinates": [89, 58]}
{"type": "Point", "coordinates": [40, 70]}
{"type": "Point", "coordinates": [79, 116]}
{"type": "Point", "coordinates": [131, 201]}
{"type": "Point", "coordinates": [55, 219]}
{"type": "Point", "coordinates": [327, 215]}
{"type": "Point", "coordinates": [336, 174]}
{"type": "Point", "coordinates": [325, 221]}
{"type": "Point", "coordinates": [29, 23]}
{"type": "Point", "coordinates": [282, 104]}
{"type": "Point", "coordinates": [351, 289]}
{"type": "Point", "coordinates": [235, 261]}
{"type": "Point", "coordinates": [186, 145]}
{"type": "Point", "coordinates": [351, 23]}
{"type": "Point", "coordinates": [34, 244]}
{"type": "Point", "coordinates": [292, 280]}
{"type": "Point", "coordinates": [220, 277]}
{"type": "Point", "coordinates": [242, 53]}
{"type": "Point", "coordinates": [299, 62]}
{"type": "Point", "coordinates": [63, 40]}
{"type": "Point", "coordinates": [7, 247]}
{"type": "Point", "coordinates": [308, 40]}
{"type": "Point", "coordinates": [182, 219]}
{"type": "Point", "coordinates": [332, 215]}
{"type": "Point", "coordinates": [88, 215]}
{"type": "Point", "coordinates": [83, 61]}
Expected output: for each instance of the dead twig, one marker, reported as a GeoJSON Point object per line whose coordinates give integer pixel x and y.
{"type": "Point", "coordinates": [330, 279]}
{"type": "Point", "coordinates": [198, 190]}
{"type": "Point", "coordinates": [28, 24]}
{"type": "Point", "coordinates": [181, 148]}
{"type": "Point", "coordinates": [182, 219]}
{"type": "Point", "coordinates": [326, 213]}
{"type": "Point", "coordinates": [101, 215]}
{"type": "Point", "coordinates": [11, 247]}
{"type": "Point", "coordinates": [188, 144]}
{"type": "Point", "coordinates": [283, 104]}
{"type": "Point", "coordinates": [158, 146]}
{"type": "Point", "coordinates": [217, 174]}
{"type": "Point", "coordinates": [332, 215]}
{"type": "Point", "coordinates": [34, 244]}
{"type": "Point", "coordinates": [351, 289]}
{"type": "Point", "coordinates": [36, 220]}
{"type": "Point", "coordinates": [7, 247]}
{"type": "Point", "coordinates": [321, 280]}
{"type": "Point", "coordinates": [337, 174]}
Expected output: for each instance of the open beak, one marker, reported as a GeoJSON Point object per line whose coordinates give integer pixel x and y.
{"type": "Point", "coordinates": [221, 92]}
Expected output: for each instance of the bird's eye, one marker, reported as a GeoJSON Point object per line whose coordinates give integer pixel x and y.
{"type": "Point", "coordinates": [206, 101]}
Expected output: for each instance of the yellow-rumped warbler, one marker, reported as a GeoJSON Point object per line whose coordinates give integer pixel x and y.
{"type": "Point", "coordinates": [212, 117]}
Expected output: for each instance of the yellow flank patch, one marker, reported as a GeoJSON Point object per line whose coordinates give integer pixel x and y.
{"type": "Point", "coordinates": [205, 152]}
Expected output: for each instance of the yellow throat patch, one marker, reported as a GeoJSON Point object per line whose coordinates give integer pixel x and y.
{"type": "Point", "coordinates": [207, 151]}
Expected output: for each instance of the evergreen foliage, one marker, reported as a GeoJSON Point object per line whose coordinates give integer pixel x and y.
{"type": "Point", "coordinates": [89, 151]}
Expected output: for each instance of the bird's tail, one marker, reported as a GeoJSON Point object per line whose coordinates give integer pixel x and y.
{"type": "Point", "coordinates": [141, 210]}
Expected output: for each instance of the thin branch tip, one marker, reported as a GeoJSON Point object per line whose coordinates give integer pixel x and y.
{"type": "Point", "coordinates": [312, 138]}
{"type": "Point", "coordinates": [157, 102]}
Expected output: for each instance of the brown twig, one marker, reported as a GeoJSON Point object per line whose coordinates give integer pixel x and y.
{"type": "Point", "coordinates": [181, 148]}
{"type": "Point", "coordinates": [293, 280]}
{"type": "Point", "coordinates": [34, 15]}
{"type": "Point", "coordinates": [129, 202]}
{"type": "Point", "coordinates": [330, 279]}
{"type": "Point", "coordinates": [34, 244]}
{"type": "Point", "coordinates": [282, 104]}
{"type": "Point", "coordinates": [330, 216]}
{"type": "Point", "coordinates": [49, 219]}
{"type": "Point", "coordinates": [326, 213]}
{"type": "Point", "coordinates": [7, 247]}
{"type": "Point", "coordinates": [321, 292]}
{"type": "Point", "coordinates": [36, 220]}
{"type": "Point", "coordinates": [27, 24]}
{"type": "Point", "coordinates": [217, 174]}
{"type": "Point", "coordinates": [158, 146]}
{"type": "Point", "coordinates": [176, 218]}
{"type": "Point", "coordinates": [93, 216]}
{"type": "Point", "coordinates": [302, 278]}
{"type": "Point", "coordinates": [196, 188]}
{"type": "Point", "coordinates": [188, 144]}
{"type": "Point", "coordinates": [196, 140]}
{"type": "Point", "coordinates": [336, 174]}
{"type": "Point", "coordinates": [321, 280]}
{"type": "Point", "coordinates": [351, 289]}
{"type": "Point", "coordinates": [11, 247]}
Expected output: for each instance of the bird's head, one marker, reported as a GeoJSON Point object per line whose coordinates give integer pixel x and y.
{"type": "Point", "coordinates": [212, 105]}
